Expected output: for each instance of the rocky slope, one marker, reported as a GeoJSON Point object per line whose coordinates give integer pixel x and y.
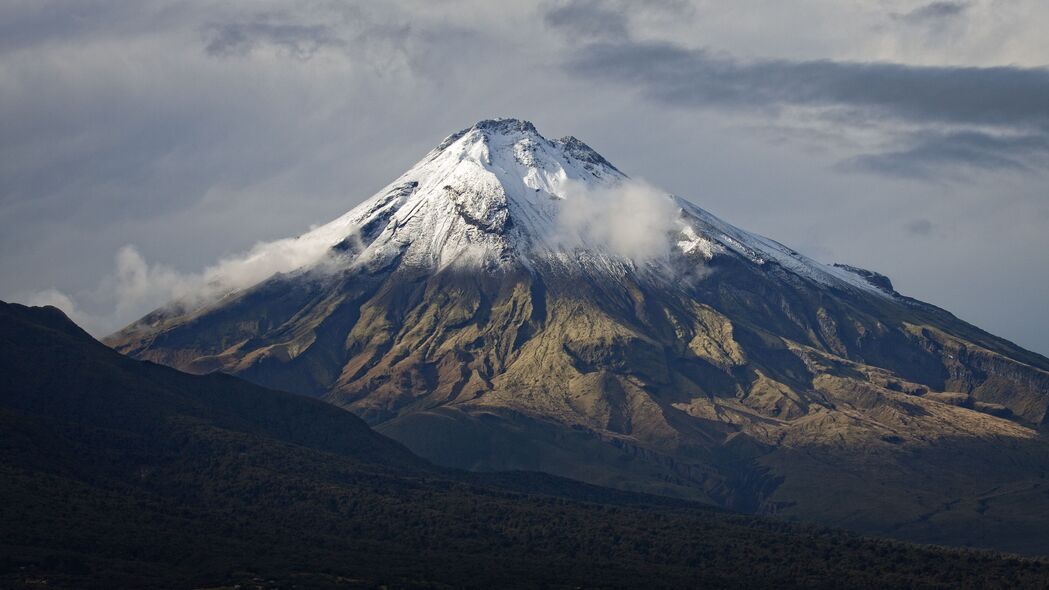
{"type": "Point", "coordinates": [491, 309]}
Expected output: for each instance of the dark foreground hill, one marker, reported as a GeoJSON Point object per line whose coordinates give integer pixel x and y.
{"type": "Point", "coordinates": [118, 473]}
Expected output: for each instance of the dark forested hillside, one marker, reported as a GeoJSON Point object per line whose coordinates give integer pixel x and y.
{"type": "Point", "coordinates": [119, 473]}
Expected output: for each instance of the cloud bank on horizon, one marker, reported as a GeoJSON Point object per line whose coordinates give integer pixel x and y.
{"type": "Point", "coordinates": [908, 136]}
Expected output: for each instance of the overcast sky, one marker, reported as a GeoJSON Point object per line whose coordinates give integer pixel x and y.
{"type": "Point", "coordinates": [143, 141]}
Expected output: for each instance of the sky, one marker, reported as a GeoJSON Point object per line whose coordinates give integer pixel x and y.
{"type": "Point", "coordinates": [143, 145]}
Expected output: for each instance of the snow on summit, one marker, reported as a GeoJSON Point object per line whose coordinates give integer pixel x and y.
{"type": "Point", "coordinates": [499, 194]}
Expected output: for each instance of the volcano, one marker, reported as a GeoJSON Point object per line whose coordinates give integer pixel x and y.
{"type": "Point", "coordinates": [515, 302]}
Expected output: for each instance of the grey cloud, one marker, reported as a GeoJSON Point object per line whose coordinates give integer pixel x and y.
{"type": "Point", "coordinates": [387, 44]}
{"type": "Point", "coordinates": [697, 77]}
{"type": "Point", "coordinates": [300, 41]}
{"type": "Point", "coordinates": [933, 12]}
{"type": "Point", "coordinates": [919, 227]}
{"type": "Point", "coordinates": [25, 25]}
{"type": "Point", "coordinates": [589, 18]}
{"type": "Point", "coordinates": [927, 154]}
{"type": "Point", "coordinates": [946, 103]}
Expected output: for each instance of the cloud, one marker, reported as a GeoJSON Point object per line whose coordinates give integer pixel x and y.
{"type": "Point", "coordinates": [947, 103]}
{"type": "Point", "coordinates": [926, 155]}
{"type": "Point", "coordinates": [300, 41]}
{"type": "Point", "coordinates": [632, 219]}
{"type": "Point", "coordinates": [29, 25]}
{"type": "Point", "coordinates": [136, 287]}
{"type": "Point", "coordinates": [698, 78]}
{"type": "Point", "coordinates": [588, 18]}
{"type": "Point", "coordinates": [933, 12]}
{"type": "Point", "coordinates": [919, 227]}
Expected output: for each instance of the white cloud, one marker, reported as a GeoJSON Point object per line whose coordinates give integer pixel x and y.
{"type": "Point", "coordinates": [630, 220]}
{"type": "Point", "coordinates": [136, 287]}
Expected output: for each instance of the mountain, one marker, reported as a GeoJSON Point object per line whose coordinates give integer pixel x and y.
{"type": "Point", "coordinates": [514, 302]}
{"type": "Point", "coordinates": [124, 474]}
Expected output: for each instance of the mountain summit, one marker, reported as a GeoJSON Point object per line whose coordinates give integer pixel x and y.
{"type": "Point", "coordinates": [500, 195]}
{"type": "Point", "coordinates": [518, 302]}
{"type": "Point", "coordinates": [487, 196]}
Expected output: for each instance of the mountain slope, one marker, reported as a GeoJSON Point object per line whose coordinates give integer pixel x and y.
{"type": "Point", "coordinates": [118, 473]}
{"type": "Point", "coordinates": [518, 302]}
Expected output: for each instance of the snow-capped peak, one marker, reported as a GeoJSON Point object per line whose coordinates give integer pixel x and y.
{"type": "Point", "coordinates": [498, 194]}
{"type": "Point", "coordinates": [484, 196]}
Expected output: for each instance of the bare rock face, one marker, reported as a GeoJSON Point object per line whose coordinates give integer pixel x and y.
{"type": "Point", "coordinates": [478, 311]}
